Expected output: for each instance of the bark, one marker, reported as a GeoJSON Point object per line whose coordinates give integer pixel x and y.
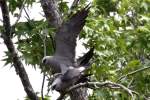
{"type": "Point", "coordinates": [15, 58]}
{"type": "Point", "coordinates": [79, 94]}
{"type": "Point", "coordinates": [52, 13]}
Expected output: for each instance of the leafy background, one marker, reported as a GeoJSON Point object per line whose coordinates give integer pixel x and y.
{"type": "Point", "coordinates": [118, 29]}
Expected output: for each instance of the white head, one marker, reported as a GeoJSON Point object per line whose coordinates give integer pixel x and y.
{"type": "Point", "coordinates": [52, 63]}
{"type": "Point", "coordinates": [47, 60]}
{"type": "Point", "coordinates": [57, 84]}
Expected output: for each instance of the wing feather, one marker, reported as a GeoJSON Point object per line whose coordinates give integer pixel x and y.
{"type": "Point", "coordinates": [66, 36]}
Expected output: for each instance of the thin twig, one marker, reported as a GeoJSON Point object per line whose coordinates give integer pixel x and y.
{"type": "Point", "coordinates": [133, 72]}
{"type": "Point", "coordinates": [44, 43]}
{"type": "Point", "coordinates": [28, 17]}
{"type": "Point", "coordinates": [18, 18]}
{"type": "Point", "coordinates": [45, 53]}
{"type": "Point", "coordinates": [43, 81]}
{"type": "Point", "coordinates": [21, 9]}
{"type": "Point", "coordinates": [130, 82]}
{"type": "Point", "coordinates": [74, 4]}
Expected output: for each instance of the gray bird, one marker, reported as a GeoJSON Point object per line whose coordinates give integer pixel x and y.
{"type": "Point", "coordinates": [69, 78]}
{"type": "Point", "coordinates": [65, 40]}
{"type": "Point", "coordinates": [73, 75]}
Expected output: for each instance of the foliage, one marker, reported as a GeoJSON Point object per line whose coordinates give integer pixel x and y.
{"type": "Point", "coordinates": [121, 39]}
{"type": "Point", "coordinates": [118, 29]}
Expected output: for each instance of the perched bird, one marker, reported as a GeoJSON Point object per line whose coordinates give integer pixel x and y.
{"type": "Point", "coordinates": [65, 40]}
{"type": "Point", "coordinates": [69, 78]}
{"type": "Point", "coordinates": [73, 75]}
{"type": "Point", "coordinates": [71, 70]}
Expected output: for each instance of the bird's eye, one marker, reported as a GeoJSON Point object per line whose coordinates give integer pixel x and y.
{"type": "Point", "coordinates": [44, 61]}
{"type": "Point", "coordinates": [53, 87]}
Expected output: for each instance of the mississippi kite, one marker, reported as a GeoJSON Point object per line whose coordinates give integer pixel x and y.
{"type": "Point", "coordinates": [69, 78]}
{"type": "Point", "coordinates": [65, 40]}
{"type": "Point", "coordinates": [73, 75]}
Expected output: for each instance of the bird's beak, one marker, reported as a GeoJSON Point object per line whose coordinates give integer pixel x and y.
{"type": "Point", "coordinates": [53, 87]}
{"type": "Point", "coordinates": [43, 61]}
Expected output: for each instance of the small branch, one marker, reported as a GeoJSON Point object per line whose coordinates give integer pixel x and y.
{"type": "Point", "coordinates": [134, 72]}
{"type": "Point", "coordinates": [96, 85]}
{"type": "Point", "coordinates": [44, 43]}
{"type": "Point", "coordinates": [28, 17]}
{"type": "Point", "coordinates": [52, 13]}
{"type": "Point", "coordinates": [74, 4]}
{"type": "Point", "coordinates": [42, 95]}
{"type": "Point", "coordinates": [21, 9]}
{"type": "Point", "coordinates": [130, 82]}
{"type": "Point", "coordinates": [108, 84]}
{"type": "Point", "coordinates": [17, 20]}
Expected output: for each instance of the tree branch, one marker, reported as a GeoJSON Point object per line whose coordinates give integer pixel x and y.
{"type": "Point", "coordinates": [15, 58]}
{"type": "Point", "coordinates": [6, 19]}
{"type": "Point", "coordinates": [96, 85]}
{"type": "Point", "coordinates": [52, 13]}
{"type": "Point", "coordinates": [133, 72]}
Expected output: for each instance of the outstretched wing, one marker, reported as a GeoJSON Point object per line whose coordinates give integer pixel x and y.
{"type": "Point", "coordinates": [65, 38]}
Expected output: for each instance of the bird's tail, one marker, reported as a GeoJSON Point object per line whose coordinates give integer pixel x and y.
{"type": "Point", "coordinates": [84, 78]}
{"type": "Point", "coordinates": [85, 59]}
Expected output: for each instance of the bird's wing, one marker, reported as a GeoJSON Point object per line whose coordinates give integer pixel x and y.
{"type": "Point", "coordinates": [64, 68]}
{"type": "Point", "coordinates": [66, 36]}
{"type": "Point", "coordinates": [70, 75]}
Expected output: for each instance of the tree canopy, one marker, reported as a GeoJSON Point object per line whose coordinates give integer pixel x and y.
{"type": "Point", "coordinates": [119, 30]}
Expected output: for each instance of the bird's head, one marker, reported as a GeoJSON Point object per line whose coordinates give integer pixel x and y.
{"type": "Point", "coordinates": [46, 63]}
{"type": "Point", "coordinates": [52, 64]}
{"type": "Point", "coordinates": [57, 84]}
{"type": "Point", "coordinates": [47, 60]}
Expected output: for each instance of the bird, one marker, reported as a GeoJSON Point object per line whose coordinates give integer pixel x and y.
{"type": "Point", "coordinates": [73, 75]}
{"type": "Point", "coordinates": [69, 78]}
{"type": "Point", "coordinates": [65, 40]}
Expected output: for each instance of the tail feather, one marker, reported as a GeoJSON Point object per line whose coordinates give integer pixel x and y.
{"type": "Point", "coordinates": [84, 60]}
{"type": "Point", "coordinates": [84, 78]}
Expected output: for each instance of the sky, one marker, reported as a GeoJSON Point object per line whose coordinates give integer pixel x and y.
{"type": "Point", "coordinates": [10, 84]}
